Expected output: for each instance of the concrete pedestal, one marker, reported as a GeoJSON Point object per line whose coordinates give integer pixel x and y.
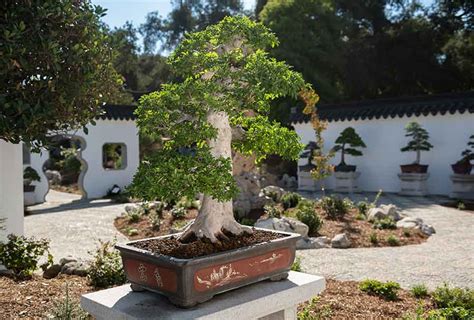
{"type": "Point", "coordinates": [306, 181]}
{"type": "Point", "coordinates": [264, 300]}
{"type": "Point", "coordinates": [414, 184]}
{"type": "Point", "coordinates": [463, 186]}
{"type": "Point", "coordinates": [346, 182]}
{"type": "Point", "coordinates": [29, 198]}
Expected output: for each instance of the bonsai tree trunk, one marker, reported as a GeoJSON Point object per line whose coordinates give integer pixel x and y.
{"type": "Point", "coordinates": [214, 216]}
{"type": "Point", "coordinates": [343, 162]}
{"type": "Point", "coordinates": [418, 156]}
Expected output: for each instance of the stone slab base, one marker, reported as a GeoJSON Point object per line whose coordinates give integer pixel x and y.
{"type": "Point", "coordinates": [463, 186]}
{"type": "Point", "coordinates": [413, 184]}
{"type": "Point", "coordinates": [264, 300]}
{"type": "Point", "coordinates": [346, 182]}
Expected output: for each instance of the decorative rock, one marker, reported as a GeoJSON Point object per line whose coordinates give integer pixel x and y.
{"type": "Point", "coordinates": [375, 213]}
{"type": "Point", "coordinates": [273, 190]}
{"type": "Point", "coordinates": [258, 202]}
{"type": "Point", "coordinates": [242, 207]}
{"type": "Point", "coordinates": [77, 268]}
{"type": "Point", "coordinates": [67, 259]}
{"type": "Point", "coordinates": [284, 224]}
{"type": "Point", "coordinates": [427, 229]}
{"type": "Point", "coordinates": [341, 241]}
{"type": "Point", "coordinates": [313, 243]}
{"type": "Point", "coordinates": [129, 208]}
{"type": "Point", "coordinates": [391, 211]}
{"type": "Point", "coordinates": [383, 212]}
{"type": "Point", "coordinates": [288, 182]}
{"type": "Point", "coordinates": [52, 271]}
{"type": "Point", "coordinates": [53, 176]}
{"type": "Point", "coordinates": [297, 226]}
{"type": "Point", "coordinates": [409, 222]}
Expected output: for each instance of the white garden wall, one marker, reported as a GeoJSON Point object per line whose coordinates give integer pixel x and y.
{"type": "Point", "coordinates": [380, 163]}
{"type": "Point", "coordinates": [11, 188]}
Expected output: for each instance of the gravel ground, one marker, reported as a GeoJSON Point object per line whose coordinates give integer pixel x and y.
{"type": "Point", "coordinates": [73, 226]}
{"type": "Point", "coordinates": [447, 256]}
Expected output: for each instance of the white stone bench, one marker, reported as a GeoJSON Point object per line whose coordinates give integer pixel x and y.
{"type": "Point", "coordinates": [264, 300]}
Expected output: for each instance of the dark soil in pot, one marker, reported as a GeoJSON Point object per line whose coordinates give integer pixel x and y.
{"type": "Point", "coordinates": [462, 167]}
{"type": "Point", "coordinates": [414, 168]}
{"type": "Point", "coordinates": [175, 248]}
{"type": "Point", "coordinates": [345, 168]}
{"type": "Point", "coordinates": [28, 188]}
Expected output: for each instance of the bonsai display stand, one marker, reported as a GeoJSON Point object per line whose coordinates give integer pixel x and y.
{"type": "Point", "coordinates": [414, 184]}
{"type": "Point", "coordinates": [306, 182]}
{"type": "Point", "coordinates": [463, 186]}
{"type": "Point", "coordinates": [346, 182]}
{"type": "Point", "coordinates": [265, 300]}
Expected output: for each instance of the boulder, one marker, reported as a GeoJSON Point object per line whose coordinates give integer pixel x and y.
{"type": "Point", "coordinates": [375, 214]}
{"type": "Point", "coordinates": [409, 222]}
{"type": "Point", "coordinates": [67, 259]}
{"type": "Point", "coordinates": [427, 229]}
{"type": "Point", "coordinates": [77, 268]}
{"type": "Point", "coordinates": [258, 202]}
{"type": "Point", "coordinates": [53, 176]}
{"type": "Point", "coordinates": [288, 182]}
{"type": "Point", "coordinates": [129, 208]}
{"type": "Point", "coordinates": [391, 211]}
{"type": "Point", "coordinates": [271, 191]}
{"type": "Point", "coordinates": [266, 223]}
{"type": "Point", "coordinates": [296, 226]}
{"type": "Point", "coordinates": [52, 271]}
{"type": "Point", "coordinates": [313, 243]}
{"type": "Point", "coordinates": [341, 241]}
{"type": "Point", "coordinates": [241, 207]}
{"type": "Point", "coordinates": [284, 224]}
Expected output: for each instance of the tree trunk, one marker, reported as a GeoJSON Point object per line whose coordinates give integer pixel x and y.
{"type": "Point", "coordinates": [418, 156]}
{"type": "Point", "coordinates": [215, 217]}
{"type": "Point", "coordinates": [343, 162]}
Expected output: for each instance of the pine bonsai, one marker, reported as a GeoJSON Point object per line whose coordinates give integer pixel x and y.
{"type": "Point", "coordinates": [347, 143]}
{"type": "Point", "coordinates": [468, 154]}
{"type": "Point", "coordinates": [419, 140]}
{"type": "Point", "coordinates": [228, 82]}
{"type": "Point", "coordinates": [30, 175]}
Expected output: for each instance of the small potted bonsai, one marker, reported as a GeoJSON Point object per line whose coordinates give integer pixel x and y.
{"type": "Point", "coordinates": [29, 175]}
{"type": "Point", "coordinates": [221, 105]}
{"type": "Point", "coordinates": [347, 143]}
{"type": "Point", "coordinates": [419, 142]}
{"type": "Point", "coordinates": [464, 165]}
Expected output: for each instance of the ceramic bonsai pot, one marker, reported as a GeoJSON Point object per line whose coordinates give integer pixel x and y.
{"type": "Point", "coordinates": [414, 168]}
{"type": "Point", "coordinates": [345, 168]}
{"type": "Point", "coordinates": [187, 282]}
{"type": "Point", "coordinates": [462, 167]}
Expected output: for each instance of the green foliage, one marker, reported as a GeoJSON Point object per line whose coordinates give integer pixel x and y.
{"type": "Point", "coordinates": [106, 269]}
{"type": "Point", "coordinates": [387, 290]}
{"type": "Point", "coordinates": [134, 216]}
{"type": "Point", "coordinates": [385, 223]}
{"type": "Point", "coordinates": [272, 210]}
{"type": "Point", "coordinates": [406, 232]}
{"type": "Point", "coordinates": [69, 166]}
{"type": "Point", "coordinates": [247, 222]}
{"type": "Point", "coordinates": [450, 313]}
{"type": "Point", "coordinates": [348, 142]}
{"type": "Point", "coordinates": [155, 221]}
{"type": "Point", "coordinates": [67, 309]}
{"type": "Point", "coordinates": [335, 207]}
{"type": "Point", "coordinates": [224, 69]}
{"type": "Point", "coordinates": [309, 217]}
{"type": "Point", "coordinates": [419, 291]}
{"type": "Point", "coordinates": [296, 266]}
{"type": "Point", "coordinates": [30, 175]}
{"type": "Point", "coordinates": [307, 312]}
{"type": "Point", "coordinates": [468, 154]}
{"type": "Point", "coordinates": [446, 297]}
{"type": "Point", "coordinates": [290, 200]}
{"type": "Point", "coordinates": [178, 212]}
{"type": "Point", "coordinates": [460, 205]}
{"type": "Point", "coordinates": [419, 139]}
{"type": "Point", "coordinates": [188, 203]}
{"type": "Point", "coordinates": [363, 207]}
{"type": "Point", "coordinates": [21, 255]}
{"type": "Point", "coordinates": [53, 79]}
{"type": "Point", "coordinates": [373, 238]}
{"type": "Point", "coordinates": [393, 240]}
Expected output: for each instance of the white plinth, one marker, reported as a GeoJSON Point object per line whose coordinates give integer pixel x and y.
{"type": "Point", "coordinates": [306, 181]}
{"type": "Point", "coordinates": [29, 198]}
{"type": "Point", "coordinates": [264, 300]}
{"type": "Point", "coordinates": [463, 186]}
{"type": "Point", "coordinates": [414, 184]}
{"type": "Point", "coordinates": [346, 182]}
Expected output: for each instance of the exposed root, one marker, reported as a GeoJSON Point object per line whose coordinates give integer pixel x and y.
{"type": "Point", "coordinates": [215, 234]}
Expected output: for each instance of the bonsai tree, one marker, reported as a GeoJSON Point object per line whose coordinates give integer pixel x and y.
{"type": "Point", "coordinates": [30, 175]}
{"type": "Point", "coordinates": [228, 83]}
{"type": "Point", "coordinates": [419, 140]}
{"type": "Point", "coordinates": [463, 166]}
{"type": "Point", "coordinates": [347, 143]}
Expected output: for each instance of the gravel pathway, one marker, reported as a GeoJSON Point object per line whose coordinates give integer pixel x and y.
{"type": "Point", "coordinates": [73, 226]}
{"type": "Point", "coordinates": [447, 256]}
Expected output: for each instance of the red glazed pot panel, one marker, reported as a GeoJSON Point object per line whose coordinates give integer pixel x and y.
{"type": "Point", "coordinates": [223, 274]}
{"type": "Point", "coordinates": [150, 275]}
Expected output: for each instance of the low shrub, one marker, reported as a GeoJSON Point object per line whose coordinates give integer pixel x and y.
{"type": "Point", "coordinates": [335, 207]}
{"type": "Point", "coordinates": [178, 212]}
{"type": "Point", "coordinates": [385, 223]}
{"type": "Point", "coordinates": [290, 200]}
{"type": "Point", "coordinates": [393, 240]}
{"type": "Point", "coordinates": [419, 291]}
{"type": "Point", "coordinates": [452, 313]}
{"type": "Point", "coordinates": [460, 205]}
{"type": "Point", "coordinates": [145, 208]}
{"type": "Point", "coordinates": [68, 309]}
{"type": "Point", "coordinates": [373, 238]}
{"type": "Point", "coordinates": [363, 207]}
{"type": "Point", "coordinates": [296, 266]}
{"type": "Point", "coordinates": [273, 211]}
{"type": "Point", "coordinates": [308, 216]}
{"type": "Point", "coordinates": [446, 297]}
{"type": "Point", "coordinates": [134, 216]}
{"type": "Point", "coordinates": [155, 221]}
{"type": "Point", "coordinates": [360, 217]}
{"type": "Point", "coordinates": [387, 290]}
{"type": "Point", "coordinates": [21, 255]}
{"type": "Point", "coordinates": [106, 269]}
{"type": "Point", "coordinates": [406, 232]}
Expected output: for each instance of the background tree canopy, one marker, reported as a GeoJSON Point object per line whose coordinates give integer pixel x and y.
{"type": "Point", "coordinates": [56, 67]}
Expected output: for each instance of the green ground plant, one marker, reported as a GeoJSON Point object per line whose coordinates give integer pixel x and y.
{"type": "Point", "coordinates": [178, 212]}
{"type": "Point", "coordinates": [106, 268]}
{"type": "Point", "coordinates": [393, 240]}
{"type": "Point", "coordinates": [67, 309]}
{"type": "Point", "coordinates": [385, 223]}
{"type": "Point", "coordinates": [308, 216]}
{"type": "Point", "coordinates": [387, 290]}
{"type": "Point", "coordinates": [446, 297]}
{"type": "Point", "coordinates": [419, 291]}
{"type": "Point", "coordinates": [335, 207]}
{"type": "Point", "coordinates": [296, 266]}
{"type": "Point", "coordinates": [290, 200]}
{"type": "Point", "coordinates": [373, 238]}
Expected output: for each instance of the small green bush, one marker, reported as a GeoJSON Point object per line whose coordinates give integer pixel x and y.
{"type": "Point", "coordinates": [134, 216]}
{"type": "Point", "coordinates": [273, 211]}
{"type": "Point", "coordinates": [106, 269]}
{"type": "Point", "coordinates": [155, 221]}
{"type": "Point", "coordinates": [308, 216]}
{"type": "Point", "coordinates": [406, 232]}
{"type": "Point", "coordinates": [385, 223]}
{"type": "Point", "coordinates": [178, 212]}
{"type": "Point", "coordinates": [419, 291]}
{"type": "Point", "coordinates": [296, 266]}
{"type": "Point", "coordinates": [373, 238]}
{"type": "Point", "coordinates": [67, 309]}
{"type": "Point", "coordinates": [335, 207]}
{"type": "Point", "coordinates": [290, 200]}
{"type": "Point", "coordinates": [21, 255]}
{"type": "Point", "coordinates": [145, 208]}
{"type": "Point", "coordinates": [387, 290]}
{"type": "Point", "coordinates": [393, 240]}
{"type": "Point", "coordinates": [460, 205]}
{"type": "Point", "coordinates": [452, 313]}
{"type": "Point", "coordinates": [363, 207]}
{"type": "Point", "coordinates": [446, 297]}
{"type": "Point", "coordinates": [247, 222]}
